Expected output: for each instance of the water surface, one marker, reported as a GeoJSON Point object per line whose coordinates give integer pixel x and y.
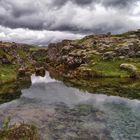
{"type": "Point", "coordinates": [66, 113]}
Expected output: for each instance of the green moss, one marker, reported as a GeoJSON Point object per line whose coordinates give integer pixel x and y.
{"type": "Point", "coordinates": [95, 58]}
{"type": "Point", "coordinates": [22, 53]}
{"type": "Point", "coordinates": [2, 52]}
{"type": "Point", "coordinates": [7, 73]}
{"type": "Point", "coordinates": [94, 46]}
{"type": "Point", "coordinates": [34, 49]}
{"type": "Point", "coordinates": [80, 41]}
{"type": "Point", "coordinates": [110, 68]}
{"type": "Point", "coordinates": [41, 59]}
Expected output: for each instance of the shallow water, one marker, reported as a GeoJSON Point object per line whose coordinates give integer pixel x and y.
{"type": "Point", "coordinates": [66, 113]}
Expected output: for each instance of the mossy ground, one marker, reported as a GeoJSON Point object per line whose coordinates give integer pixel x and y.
{"type": "Point", "coordinates": [19, 132]}
{"type": "Point", "coordinates": [7, 73]}
{"type": "Point", "coordinates": [12, 90]}
{"type": "Point", "coordinates": [111, 68]}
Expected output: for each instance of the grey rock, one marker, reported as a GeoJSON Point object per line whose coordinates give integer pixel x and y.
{"type": "Point", "coordinates": [109, 55]}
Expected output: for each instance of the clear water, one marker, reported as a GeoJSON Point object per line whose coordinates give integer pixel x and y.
{"type": "Point", "coordinates": [66, 113]}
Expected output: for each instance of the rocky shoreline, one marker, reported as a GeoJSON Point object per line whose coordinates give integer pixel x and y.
{"type": "Point", "coordinates": [97, 56]}
{"type": "Point", "coordinates": [94, 56]}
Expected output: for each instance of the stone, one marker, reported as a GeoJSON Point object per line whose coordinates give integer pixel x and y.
{"type": "Point", "coordinates": [128, 67]}
{"type": "Point", "coordinates": [74, 62]}
{"type": "Point", "coordinates": [138, 54]}
{"type": "Point", "coordinates": [109, 55]}
{"type": "Point", "coordinates": [5, 61]}
{"type": "Point", "coordinates": [132, 69]}
{"type": "Point", "coordinates": [122, 51]}
{"type": "Point", "coordinates": [121, 57]}
{"type": "Point", "coordinates": [40, 71]}
{"type": "Point", "coordinates": [67, 48]}
{"type": "Point", "coordinates": [132, 54]}
{"type": "Point", "coordinates": [21, 71]}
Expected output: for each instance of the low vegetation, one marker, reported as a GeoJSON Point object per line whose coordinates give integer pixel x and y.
{"type": "Point", "coordinates": [8, 73]}
{"type": "Point", "coordinates": [18, 132]}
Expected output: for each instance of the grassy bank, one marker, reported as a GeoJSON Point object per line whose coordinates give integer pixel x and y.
{"type": "Point", "coordinates": [8, 73]}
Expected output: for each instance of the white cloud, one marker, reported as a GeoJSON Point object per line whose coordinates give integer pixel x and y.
{"type": "Point", "coordinates": [34, 37]}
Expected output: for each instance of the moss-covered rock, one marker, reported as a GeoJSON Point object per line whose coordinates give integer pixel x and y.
{"type": "Point", "coordinates": [132, 69]}
{"type": "Point", "coordinates": [102, 55]}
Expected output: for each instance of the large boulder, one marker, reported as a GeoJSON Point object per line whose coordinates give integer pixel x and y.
{"type": "Point", "coordinates": [132, 69]}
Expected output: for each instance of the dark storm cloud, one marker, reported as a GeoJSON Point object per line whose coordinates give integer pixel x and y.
{"type": "Point", "coordinates": [34, 14]}
{"type": "Point", "coordinates": [106, 3]}
{"type": "Point", "coordinates": [70, 17]}
{"type": "Point", "coordinates": [79, 2]}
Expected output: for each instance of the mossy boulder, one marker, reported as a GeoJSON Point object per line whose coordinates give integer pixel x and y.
{"type": "Point", "coordinates": [132, 69]}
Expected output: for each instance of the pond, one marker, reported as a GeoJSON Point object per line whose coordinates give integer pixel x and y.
{"type": "Point", "coordinates": [62, 112]}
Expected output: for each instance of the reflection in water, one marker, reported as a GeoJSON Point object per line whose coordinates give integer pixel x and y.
{"type": "Point", "coordinates": [11, 91]}
{"type": "Point", "coordinates": [123, 87]}
{"type": "Point", "coordinates": [39, 79]}
{"type": "Point", "coordinates": [66, 113]}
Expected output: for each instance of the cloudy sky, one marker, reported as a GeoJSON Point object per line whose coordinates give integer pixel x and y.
{"type": "Point", "coordinates": [43, 21]}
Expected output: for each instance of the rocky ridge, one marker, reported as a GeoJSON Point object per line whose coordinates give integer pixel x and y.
{"type": "Point", "coordinates": [94, 56]}
{"type": "Point", "coordinates": [97, 56]}
{"type": "Point", "coordinates": [20, 60]}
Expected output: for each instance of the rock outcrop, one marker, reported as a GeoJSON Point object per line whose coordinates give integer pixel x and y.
{"type": "Point", "coordinates": [20, 60]}
{"type": "Point", "coordinates": [102, 54]}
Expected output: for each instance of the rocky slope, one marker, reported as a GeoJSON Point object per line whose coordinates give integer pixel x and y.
{"type": "Point", "coordinates": [82, 63]}
{"type": "Point", "coordinates": [19, 59]}
{"type": "Point", "coordinates": [97, 56]}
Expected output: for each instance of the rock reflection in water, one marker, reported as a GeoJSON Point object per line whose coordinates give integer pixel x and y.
{"type": "Point", "coordinates": [123, 87]}
{"type": "Point", "coordinates": [66, 113]}
{"type": "Point", "coordinates": [12, 91]}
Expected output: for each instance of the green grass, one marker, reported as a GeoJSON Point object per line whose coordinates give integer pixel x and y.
{"type": "Point", "coordinates": [1, 52]}
{"type": "Point", "coordinates": [7, 73]}
{"type": "Point", "coordinates": [22, 53]}
{"type": "Point", "coordinates": [110, 68]}
{"type": "Point", "coordinates": [37, 48]}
